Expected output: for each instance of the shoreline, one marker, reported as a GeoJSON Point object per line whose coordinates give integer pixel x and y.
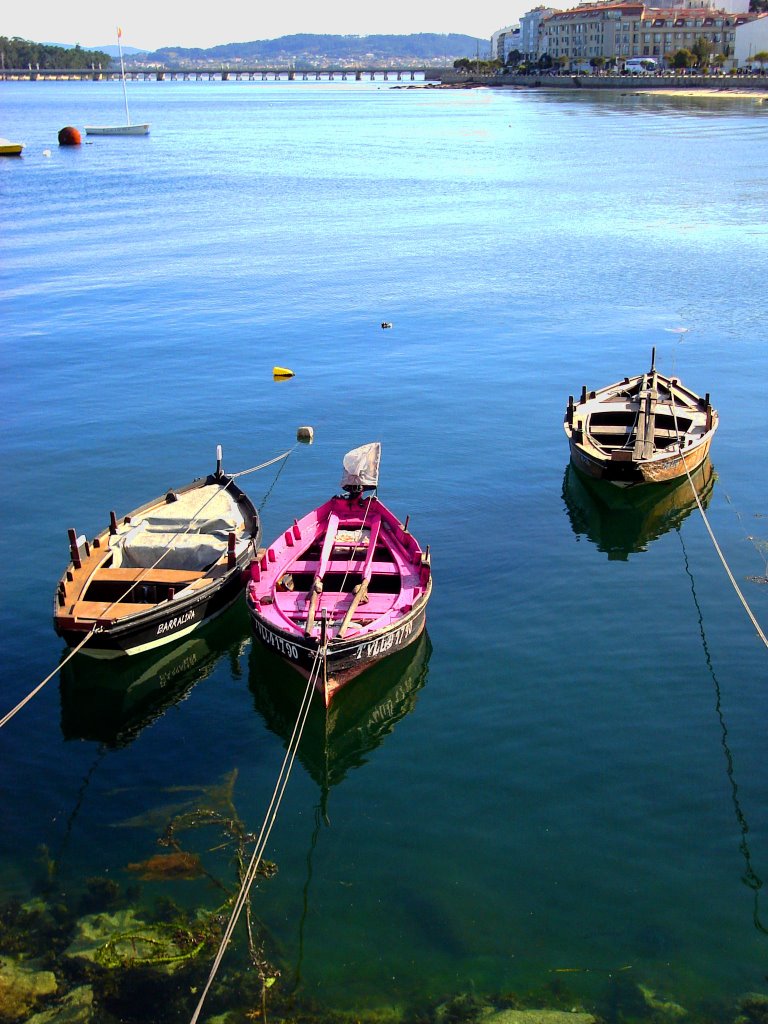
{"type": "Point", "coordinates": [624, 88]}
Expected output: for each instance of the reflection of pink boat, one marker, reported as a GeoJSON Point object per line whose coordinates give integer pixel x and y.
{"type": "Point", "coordinates": [348, 578]}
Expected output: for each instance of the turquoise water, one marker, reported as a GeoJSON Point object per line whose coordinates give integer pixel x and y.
{"type": "Point", "coordinates": [570, 776]}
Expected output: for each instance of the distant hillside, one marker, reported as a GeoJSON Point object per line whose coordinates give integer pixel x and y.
{"type": "Point", "coordinates": [128, 51]}
{"type": "Point", "coordinates": [312, 49]}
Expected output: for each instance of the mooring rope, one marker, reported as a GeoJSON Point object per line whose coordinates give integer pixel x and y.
{"type": "Point", "coordinates": [712, 537]}
{"type": "Point", "coordinates": [182, 533]}
{"type": "Point", "coordinates": [266, 828]}
{"type": "Point", "coordinates": [169, 547]}
{"type": "Point", "coordinates": [38, 688]}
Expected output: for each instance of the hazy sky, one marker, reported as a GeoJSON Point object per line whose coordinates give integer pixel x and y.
{"type": "Point", "coordinates": [151, 24]}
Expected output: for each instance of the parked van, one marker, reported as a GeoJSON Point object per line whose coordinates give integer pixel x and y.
{"type": "Point", "coordinates": [641, 66]}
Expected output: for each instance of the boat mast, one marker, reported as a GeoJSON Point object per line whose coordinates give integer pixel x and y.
{"type": "Point", "coordinates": [122, 74]}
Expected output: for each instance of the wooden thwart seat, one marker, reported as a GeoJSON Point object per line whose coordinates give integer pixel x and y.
{"type": "Point", "coordinates": [166, 577]}
{"type": "Point", "coordinates": [105, 610]}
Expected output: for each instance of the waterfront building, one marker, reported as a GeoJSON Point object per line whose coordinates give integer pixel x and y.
{"type": "Point", "coordinates": [530, 31]}
{"type": "Point", "coordinates": [751, 38]}
{"type": "Point", "coordinates": [504, 41]}
{"type": "Point", "coordinates": [617, 31]}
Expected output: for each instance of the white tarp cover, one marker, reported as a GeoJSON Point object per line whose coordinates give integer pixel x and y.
{"type": "Point", "coordinates": [361, 466]}
{"type": "Point", "coordinates": [193, 531]}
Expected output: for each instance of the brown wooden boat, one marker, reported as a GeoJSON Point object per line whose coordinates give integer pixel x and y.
{"type": "Point", "coordinates": [640, 430]}
{"type": "Point", "coordinates": [159, 573]}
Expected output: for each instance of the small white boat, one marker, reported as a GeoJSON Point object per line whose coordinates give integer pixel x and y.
{"type": "Point", "coordinates": [120, 129]}
{"type": "Point", "coordinates": [8, 148]}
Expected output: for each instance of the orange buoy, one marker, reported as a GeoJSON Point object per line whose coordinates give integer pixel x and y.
{"type": "Point", "coordinates": [69, 136]}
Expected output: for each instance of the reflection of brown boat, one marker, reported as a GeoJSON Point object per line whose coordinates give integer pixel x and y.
{"type": "Point", "coordinates": [623, 521]}
{"type": "Point", "coordinates": [359, 717]}
{"type": "Point", "coordinates": [113, 700]}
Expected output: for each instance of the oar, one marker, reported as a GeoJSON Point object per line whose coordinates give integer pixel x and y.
{"type": "Point", "coordinates": [361, 596]}
{"type": "Point", "coordinates": [317, 589]}
{"type": "Point", "coordinates": [317, 583]}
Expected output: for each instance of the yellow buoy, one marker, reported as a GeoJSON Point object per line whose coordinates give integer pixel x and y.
{"type": "Point", "coordinates": [280, 372]}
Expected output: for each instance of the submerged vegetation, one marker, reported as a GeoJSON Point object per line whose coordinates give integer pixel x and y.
{"type": "Point", "coordinates": [120, 952]}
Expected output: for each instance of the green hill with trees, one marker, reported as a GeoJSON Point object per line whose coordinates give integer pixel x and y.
{"type": "Point", "coordinates": [21, 53]}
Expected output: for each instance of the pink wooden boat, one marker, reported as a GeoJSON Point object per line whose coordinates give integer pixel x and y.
{"type": "Point", "coordinates": [348, 577]}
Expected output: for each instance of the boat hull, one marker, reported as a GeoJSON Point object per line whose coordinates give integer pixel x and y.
{"type": "Point", "coordinates": [343, 587]}
{"type": "Point", "coordinates": [155, 628]}
{"type": "Point", "coordinates": [122, 129]}
{"type": "Point", "coordinates": [630, 472]}
{"type": "Point", "coordinates": [132, 610]}
{"type": "Point", "coordinates": [345, 659]}
{"type": "Point", "coordinates": [647, 429]}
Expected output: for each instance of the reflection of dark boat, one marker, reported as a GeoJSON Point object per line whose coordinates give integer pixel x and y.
{"type": "Point", "coordinates": [622, 521]}
{"type": "Point", "coordinates": [112, 701]}
{"type": "Point", "coordinates": [339, 738]}
{"type": "Point", "coordinates": [640, 430]}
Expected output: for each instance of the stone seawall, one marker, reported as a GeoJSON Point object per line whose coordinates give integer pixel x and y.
{"type": "Point", "coordinates": [616, 82]}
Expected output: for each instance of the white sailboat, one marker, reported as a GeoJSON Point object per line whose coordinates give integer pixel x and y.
{"type": "Point", "coordinates": [121, 129]}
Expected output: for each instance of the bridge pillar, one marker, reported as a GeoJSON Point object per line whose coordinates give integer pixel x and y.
{"type": "Point", "coordinates": [159, 76]}
{"type": "Point", "coordinates": [358, 76]}
{"type": "Point", "coordinates": [413, 77]}
{"type": "Point", "coordinates": [224, 75]}
{"type": "Point", "coordinates": [386, 77]}
{"type": "Point", "coordinates": [304, 77]}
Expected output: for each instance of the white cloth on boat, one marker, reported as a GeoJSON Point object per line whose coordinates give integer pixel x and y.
{"type": "Point", "coordinates": [193, 531]}
{"type": "Point", "coordinates": [361, 466]}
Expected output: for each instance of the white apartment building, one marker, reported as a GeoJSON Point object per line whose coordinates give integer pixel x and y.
{"type": "Point", "coordinates": [751, 38]}
{"type": "Point", "coordinates": [501, 42]}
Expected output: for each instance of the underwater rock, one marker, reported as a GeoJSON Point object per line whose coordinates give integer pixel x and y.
{"type": "Point", "coordinates": [167, 866]}
{"type": "Point", "coordinates": [539, 1017]}
{"type": "Point", "coordinates": [75, 1008]}
{"type": "Point", "coordinates": [123, 940]}
{"type": "Point", "coordinates": [752, 1008]}
{"type": "Point", "coordinates": [21, 988]}
{"type": "Point", "coordinates": [664, 1010]}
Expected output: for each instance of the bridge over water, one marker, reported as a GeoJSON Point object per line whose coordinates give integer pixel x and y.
{"type": "Point", "coordinates": [239, 74]}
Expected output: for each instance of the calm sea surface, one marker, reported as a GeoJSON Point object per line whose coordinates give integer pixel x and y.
{"type": "Point", "coordinates": [566, 785]}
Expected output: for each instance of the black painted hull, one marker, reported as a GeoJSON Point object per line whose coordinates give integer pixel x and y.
{"type": "Point", "coordinates": [345, 659]}
{"type": "Point", "coordinates": [161, 625]}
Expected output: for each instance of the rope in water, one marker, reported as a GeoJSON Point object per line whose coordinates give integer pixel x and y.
{"type": "Point", "coordinates": [38, 688]}
{"type": "Point", "coordinates": [269, 820]}
{"type": "Point", "coordinates": [96, 629]}
{"type": "Point", "coordinates": [712, 537]}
